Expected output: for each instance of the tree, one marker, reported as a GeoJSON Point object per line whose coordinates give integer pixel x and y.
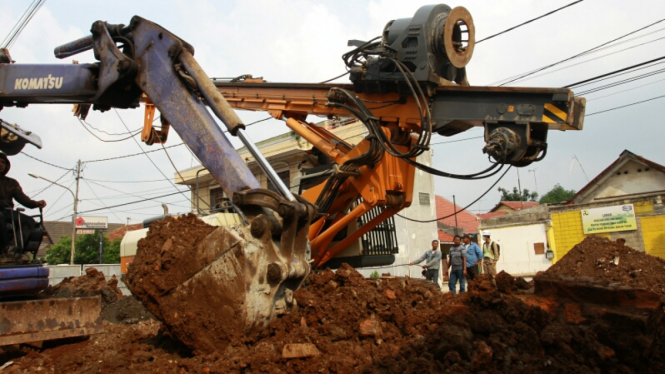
{"type": "Point", "coordinates": [557, 195]}
{"type": "Point", "coordinates": [86, 250]}
{"type": "Point", "coordinates": [515, 195]}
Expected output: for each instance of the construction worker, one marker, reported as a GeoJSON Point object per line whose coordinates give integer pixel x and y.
{"type": "Point", "coordinates": [432, 260]}
{"type": "Point", "coordinates": [474, 257]}
{"type": "Point", "coordinates": [457, 260]}
{"type": "Point", "coordinates": [11, 190]}
{"type": "Point", "coordinates": [490, 254]}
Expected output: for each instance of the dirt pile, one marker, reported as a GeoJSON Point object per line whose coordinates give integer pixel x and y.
{"type": "Point", "coordinates": [604, 259]}
{"type": "Point", "coordinates": [348, 324]}
{"type": "Point", "coordinates": [92, 283]}
{"type": "Point", "coordinates": [127, 310]}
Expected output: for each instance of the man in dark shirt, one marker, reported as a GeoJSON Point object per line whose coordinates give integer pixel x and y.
{"type": "Point", "coordinates": [11, 190]}
{"type": "Point", "coordinates": [457, 261]}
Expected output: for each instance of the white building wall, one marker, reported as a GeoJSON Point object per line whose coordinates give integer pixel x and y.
{"type": "Point", "coordinates": [517, 250]}
{"type": "Point", "coordinates": [413, 238]}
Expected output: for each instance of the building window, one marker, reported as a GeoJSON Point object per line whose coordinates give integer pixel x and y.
{"type": "Point", "coordinates": [424, 198]}
{"type": "Point", "coordinates": [218, 199]}
{"type": "Point", "coordinates": [285, 176]}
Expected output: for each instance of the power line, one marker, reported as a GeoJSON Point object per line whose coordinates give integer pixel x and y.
{"type": "Point", "coordinates": [47, 163]}
{"type": "Point", "coordinates": [135, 181]}
{"type": "Point", "coordinates": [131, 202]}
{"type": "Point", "coordinates": [458, 140]}
{"type": "Point", "coordinates": [588, 51]}
{"type": "Point", "coordinates": [50, 185]}
{"type": "Point", "coordinates": [622, 82]}
{"type": "Point", "coordinates": [622, 91]}
{"type": "Point", "coordinates": [146, 155]}
{"type": "Point", "coordinates": [94, 193]}
{"type": "Point", "coordinates": [625, 106]}
{"type": "Point", "coordinates": [455, 208]}
{"type": "Point", "coordinates": [108, 140]}
{"type": "Point", "coordinates": [529, 21]}
{"type": "Point", "coordinates": [614, 72]}
{"type": "Point", "coordinates": [131, 155]}
{"type": "Point", "coordinates": [108, 133]}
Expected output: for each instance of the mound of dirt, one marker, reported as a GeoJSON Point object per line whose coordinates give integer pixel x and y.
{"type": "Point", "coordinates": [604, 259]}
{"type": "Point", "coordinates": [347, 324]}
{"type": "Point", "coordinates": [127, 310]}
{"type": "Point", "coordinates": [93, 283]}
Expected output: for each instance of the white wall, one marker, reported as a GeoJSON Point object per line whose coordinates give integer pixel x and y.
{"type": "Point", "coordinates": [59, 272]}
{"type": "Point", "coordinates": [517, 252]}
{"type": "Point", "coordinates": [413, 238]}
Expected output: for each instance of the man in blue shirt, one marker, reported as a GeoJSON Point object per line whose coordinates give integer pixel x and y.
{"type": "Point", "coordinates": [457, 261]}
{"type": "Point", "coordinates": [474, 257]}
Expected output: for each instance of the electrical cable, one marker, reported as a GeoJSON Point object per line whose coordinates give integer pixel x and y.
{"type": "Point", "coordinates": [523, 75]}
{"type": "Point", "coordinates": [50, 185]}
{"type": "Point", "coordinates": [47, 163]}
{"type": "Point", "coordinates": [94, 193]}
{"type": "Point", "coordinates": [104, 140]}
{"type": "Point", "coordinates": [146, 155]}
{"type": "Point", "coordinates": [529, 21]}
{"type": "Point", "coordinates": [592, 59]}
{"type": "Point", "coordinates": [22, 23]}
{"type": "Point", "coordinates": [622, 82]}
{"type": "Point", "coordinates": [613, 72]}
{"type": "Point", "coordinates": [463, 209]}
{"type": "Point", "coordinates": [625, 106]}
{"type": "Point", "coordinates": [133, 202]}
{"type": "Point", "coordinates": [108, 133]}
{"type": "Point", "coordinates": [332, 79]}
{"type": "Point", "coordinates": [136, 181]}
{"type": "Point", "coordinates": [622, 91]}
{"type": "Point", "coordinates": [59, 197]}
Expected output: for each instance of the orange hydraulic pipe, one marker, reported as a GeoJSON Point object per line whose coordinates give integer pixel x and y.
{"type": "Point", "coordinates": [356, 234]}
{"type": "Point", "coordinates": [320, 143]}
{"type": "Point", "coordinates": [337, 226]}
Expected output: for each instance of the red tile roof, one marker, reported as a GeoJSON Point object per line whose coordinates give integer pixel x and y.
{"type": "Point", "coordinates": [515, 205]}
{"type": "Point", "coordinates": [120, 232]}
{"type": "Point", "coordinates": [465, 219]}
{"type": "Point", "coordinates": [445, 237]}
{"type": "Point", "coordinates": [491, 214]}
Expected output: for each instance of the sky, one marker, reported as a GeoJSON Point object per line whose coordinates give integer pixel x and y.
{"type": "Point", "coordinates": [302, 41]}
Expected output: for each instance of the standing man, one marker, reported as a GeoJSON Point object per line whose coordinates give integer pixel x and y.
{"type": "Point", "coordinates": [474, 257]}
{"type": "Point", "coordinates": [457, 261]}
{"type": "Point", "coordinates": [432, 263]}
{"type": "Point", "coordinates": [491, 254]}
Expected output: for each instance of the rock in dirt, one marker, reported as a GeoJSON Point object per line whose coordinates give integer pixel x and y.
{"type": "Point", "coordinates": [93, 283]}
{"type": "Point", "coordinates": [300, 350]}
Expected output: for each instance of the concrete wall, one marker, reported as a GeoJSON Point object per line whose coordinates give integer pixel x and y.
{"type": "Point", "coordinates": [413, 238]}
{"type": "Point", "coordinates": [518, 255]}
{"type": "Point", "coordinates": [59, 272]}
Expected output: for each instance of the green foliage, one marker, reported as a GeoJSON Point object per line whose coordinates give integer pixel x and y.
{"type": "Point", "coordinates": [515, 195]}
{"type": "Point", "coordinates": [374, 275]}
{"type": "Point", "coordinates": [557, 195]}
{"type": "Point", "coordinates": [86, 252]}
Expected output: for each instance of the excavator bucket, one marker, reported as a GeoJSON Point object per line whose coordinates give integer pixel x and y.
{"type": "Point", "coordinates": [210, 286]}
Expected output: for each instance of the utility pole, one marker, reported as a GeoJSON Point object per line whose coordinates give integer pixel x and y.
{"type": "Point", "coordinates": [519, 187]}
{"type": "Point", "coordinates": [455, 212]}
{"type": "Point", "coordinates": [76, 200]}
{"type": "Point", "coordinates": [534, 177]}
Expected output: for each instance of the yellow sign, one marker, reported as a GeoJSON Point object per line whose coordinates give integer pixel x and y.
{"type": "Point", "coordinates": [609, 219]}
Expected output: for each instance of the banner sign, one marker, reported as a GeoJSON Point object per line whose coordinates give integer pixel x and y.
{"type": "Point", "coordinates": [84, 231]}
{"type": "Point", "coordinates": [99, 223]}
{"type": "Point", "coordinates": [609, 219]}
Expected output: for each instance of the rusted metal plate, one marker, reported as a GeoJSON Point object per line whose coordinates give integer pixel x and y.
{"type": "Point", "coordinates": [38, 320]}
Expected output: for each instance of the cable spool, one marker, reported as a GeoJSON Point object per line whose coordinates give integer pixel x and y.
{"type": "Point", "coordinates": [457, 36]}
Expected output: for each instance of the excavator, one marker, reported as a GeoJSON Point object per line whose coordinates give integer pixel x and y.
{"type": "Point", "coordinates": [405, 86]}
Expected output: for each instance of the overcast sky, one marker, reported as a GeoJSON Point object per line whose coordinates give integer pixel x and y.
{"type": "Point", "coordinates": [302, 41]}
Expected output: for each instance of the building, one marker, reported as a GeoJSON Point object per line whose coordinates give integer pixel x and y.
{"type": "Point", "coordinates": [289, 155]}
{"type": "Point", "coordinates": [624, 201]}
{"type": "Point", "coordinates": [55, 230]}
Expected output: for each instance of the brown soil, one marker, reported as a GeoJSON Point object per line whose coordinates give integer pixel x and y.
{"type": "Point", "coordinates": [394, 326]}
{"type": "Point", "coordinates": [602, 258]}
{"type": "Point", "coordinates": [93, 283]}
{"type": "Point", "coordinates": [127, 310]}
